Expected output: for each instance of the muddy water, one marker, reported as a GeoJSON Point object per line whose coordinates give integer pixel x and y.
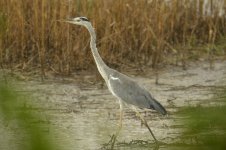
{"type": "Point", "coordinates": [85, 115]}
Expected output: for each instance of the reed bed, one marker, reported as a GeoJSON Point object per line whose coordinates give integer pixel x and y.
{"type": "Point", "coordinates": [133, 33]}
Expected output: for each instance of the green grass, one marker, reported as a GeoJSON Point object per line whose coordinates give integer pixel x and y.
{"type": "Point", "coordinates": [205, 127]}
{"type": "Point", "coordinates": [14, 114]}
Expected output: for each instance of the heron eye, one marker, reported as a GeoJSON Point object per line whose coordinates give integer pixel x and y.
{"type": "Point", "coordinates": [84, 19]}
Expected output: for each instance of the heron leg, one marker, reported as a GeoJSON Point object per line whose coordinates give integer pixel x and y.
{"type": "Point", "coordinates": [114, 136]}
{"type": "Point", "coordinates": [120, 124]}
{"type": "Point", "coordinates": [121, 116]}
{"type": "Point", "coordinates": [146, 124]}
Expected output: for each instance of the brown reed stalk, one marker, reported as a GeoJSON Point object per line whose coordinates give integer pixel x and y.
{"type": "Point", "coordinates": [132, 33]}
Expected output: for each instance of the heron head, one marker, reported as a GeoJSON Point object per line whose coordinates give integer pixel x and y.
{"type": "Point", "coordinates": [79, 21]}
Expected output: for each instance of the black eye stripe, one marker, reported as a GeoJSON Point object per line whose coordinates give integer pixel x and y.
{"type": "Point", "coordinates": [84, 19]}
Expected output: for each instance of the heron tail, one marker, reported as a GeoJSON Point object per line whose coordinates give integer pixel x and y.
{"type": "Point", "coordinates": [157, 106]}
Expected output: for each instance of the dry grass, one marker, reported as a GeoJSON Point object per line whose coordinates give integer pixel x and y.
{"type": "Point", "coordinates": [135, 32]}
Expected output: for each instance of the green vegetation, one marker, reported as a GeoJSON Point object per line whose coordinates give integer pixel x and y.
{"type": "Point", "coordinates": [139, 32]}
{"type": "Point", "coordinates": [32, 135]}
{"type": "Point", "coordinates": [205, 126]}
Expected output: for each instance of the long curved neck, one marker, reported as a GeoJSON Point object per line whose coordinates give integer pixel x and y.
{"type": "Point", "coordinates": [102, 67]}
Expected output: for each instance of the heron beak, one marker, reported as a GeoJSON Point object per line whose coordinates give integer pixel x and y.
{"type": "Point", "coordinates": [67, 21]}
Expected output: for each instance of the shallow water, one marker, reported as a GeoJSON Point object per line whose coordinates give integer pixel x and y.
{"type": "Point", "coordinates": [85, 115]}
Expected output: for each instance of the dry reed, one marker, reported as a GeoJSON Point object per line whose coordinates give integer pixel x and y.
{"type": "Point", "coordinates": [138, 32]}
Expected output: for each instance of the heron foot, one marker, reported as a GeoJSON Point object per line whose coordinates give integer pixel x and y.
{"type": "Point", "coordinates": [111, 143]}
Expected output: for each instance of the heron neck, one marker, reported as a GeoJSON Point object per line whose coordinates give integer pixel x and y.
{"type": "Point", "coordinates": [102, 67]}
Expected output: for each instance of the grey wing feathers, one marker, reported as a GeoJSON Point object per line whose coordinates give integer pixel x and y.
{"type": "Point", "coordinates": [130, 92]}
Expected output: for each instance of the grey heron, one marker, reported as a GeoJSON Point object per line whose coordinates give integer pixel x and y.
{"type": "Point", "coordinates": [124, 88]}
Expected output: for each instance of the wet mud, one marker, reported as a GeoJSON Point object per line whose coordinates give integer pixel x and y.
{"type": "Point", "coordinates": [84, 115]}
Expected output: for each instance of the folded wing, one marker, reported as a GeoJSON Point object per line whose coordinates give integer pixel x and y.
{"type": "Point", "coordinates": [130, 92]}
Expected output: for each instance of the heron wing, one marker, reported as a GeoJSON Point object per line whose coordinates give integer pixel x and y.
{"type": "Point", "coordinates": [130, 92]}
